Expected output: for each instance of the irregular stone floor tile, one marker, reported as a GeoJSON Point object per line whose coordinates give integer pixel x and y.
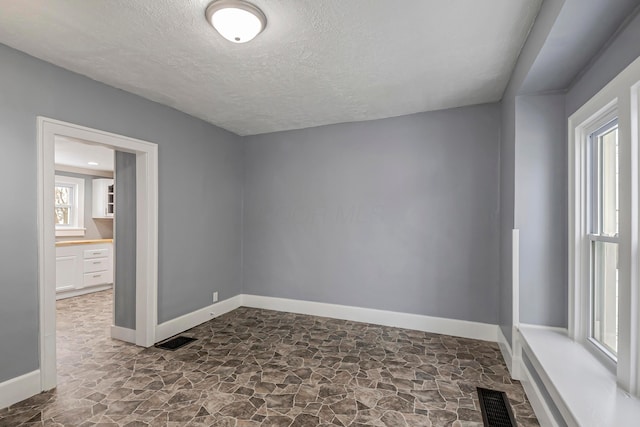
{"type": "Point", "coordinates": [259, 368]}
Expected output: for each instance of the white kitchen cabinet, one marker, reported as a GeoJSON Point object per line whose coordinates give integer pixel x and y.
{"type": "Point", "coordinates": [66, 269]}
{"type": "Point", "coordinates": [82, 268]}
{"type": "Point", "coordinates": [103, 198]}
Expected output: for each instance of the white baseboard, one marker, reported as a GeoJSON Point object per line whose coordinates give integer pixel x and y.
{"type": "Point", "coordinates": [77, 292]}
{"type": "Point", "coordinates": [19, 388]}
{"type": "Point", "coordinates": [123, 334]}
{"type": "Point", "coordinates": [505, 349]}
{"type": "Point", "coordinates": [459, 328]}
{"type": "Point", "coordinates": [538, 403]}
{"type": "Point", "coordinates": [438, 325]}
{"type": "Point", "coordinates": [180, 324]}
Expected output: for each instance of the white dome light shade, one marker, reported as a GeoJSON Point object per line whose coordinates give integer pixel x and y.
{"type": "Point", "coordinates": [236, 20]}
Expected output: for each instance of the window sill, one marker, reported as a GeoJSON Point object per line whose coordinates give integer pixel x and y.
{"type": "Point", "coordinates": [70, 232]}
{"type": "Point", "coordinates": [582, 388]}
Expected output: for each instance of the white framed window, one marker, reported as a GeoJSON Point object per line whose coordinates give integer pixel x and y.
{"type": "Point", "coordinates": [69, 206]}
{"type": "Point", "coordinates": [604, 195]}
{"type": "Point", "coordinates": [603, 238]}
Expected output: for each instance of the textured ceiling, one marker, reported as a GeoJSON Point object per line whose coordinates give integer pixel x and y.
{"type": "Point", "coordinates": [318, 61]}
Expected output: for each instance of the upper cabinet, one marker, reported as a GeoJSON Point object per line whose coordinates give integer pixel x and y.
{"type": "Point", "coordinates": [103, 198]}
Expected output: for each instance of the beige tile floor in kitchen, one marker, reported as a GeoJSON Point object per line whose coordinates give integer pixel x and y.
{"type": "Point", "coordinates": [265, 368]}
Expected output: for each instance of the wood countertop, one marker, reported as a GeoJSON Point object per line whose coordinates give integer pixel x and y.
{"type": "Point", "coordinates": [82, 242]}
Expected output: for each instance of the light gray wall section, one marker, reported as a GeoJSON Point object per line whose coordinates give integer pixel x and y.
{"type": "Point", "coordinates": [543, 25]}
{"type": "Point", "coordinates": [125, 243]}
{"type": "Point", "coordinates": [541, 208]}
{"type": "Point", "coordinates": [200, 173]}
{"type": "Point", "coordinates": [549, 11]}
{"type": "Point", "coordinates": [397, 214]}
{"type": "Point", "coordinates": [622, 51]}
{"type": "Point", "coordinates": [578, 33]}
{"type": "Point", "coordinates": [95, 228]}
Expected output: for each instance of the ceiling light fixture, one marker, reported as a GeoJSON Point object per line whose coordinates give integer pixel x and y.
{"type": "Point", "coordinates": [236, 20]}
{"type": "Point", "coordinates": [92, 163]}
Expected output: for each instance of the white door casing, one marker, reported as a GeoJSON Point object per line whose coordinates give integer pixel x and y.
{"type": "Point", "coordinates": [146, 234]}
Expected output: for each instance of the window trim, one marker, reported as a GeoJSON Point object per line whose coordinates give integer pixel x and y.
{"type": "Point", "coordinates": [620, 97]}
{"type": "Point", "coordinates": [77, 229]}
{"type": "Point", "coordinates": [580, 216]}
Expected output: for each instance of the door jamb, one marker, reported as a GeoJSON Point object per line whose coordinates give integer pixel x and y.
{"type": "Point", "coordinates": [146, 234]}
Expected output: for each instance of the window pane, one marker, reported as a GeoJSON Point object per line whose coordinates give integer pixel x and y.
{"type": "Point", "coordinates": [64, 208]}
{"type": "Point", "coordinates": [609, 184]}
{"type": "Point", "coordinates": [63, 195]}
{"type": "Point", "coordinates": [62, 216]}
{"type": "Point", "coordinates": [605, 295]}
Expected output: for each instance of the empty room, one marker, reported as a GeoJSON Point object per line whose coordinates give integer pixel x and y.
{"type": "Point", "coordinates": [253, 213]}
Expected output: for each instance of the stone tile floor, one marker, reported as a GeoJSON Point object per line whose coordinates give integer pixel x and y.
{"type": "Point", "coordinates": [264, 368]}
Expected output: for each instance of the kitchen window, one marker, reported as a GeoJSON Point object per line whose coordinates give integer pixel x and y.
{"type": "Point", "coordinates": [69, 206]}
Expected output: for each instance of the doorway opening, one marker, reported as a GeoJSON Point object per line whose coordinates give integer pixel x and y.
{"type": "Point", "coordinates": [142, 159]}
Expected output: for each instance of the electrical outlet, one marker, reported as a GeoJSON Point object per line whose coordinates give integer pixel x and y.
{"type": "Point", "coordinates": [215, 297]}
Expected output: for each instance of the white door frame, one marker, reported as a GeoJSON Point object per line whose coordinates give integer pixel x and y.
{"type": "Point", "coordinates": [146, 234]}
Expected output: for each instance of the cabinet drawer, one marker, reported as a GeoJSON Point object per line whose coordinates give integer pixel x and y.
{"type": "Point", "coordinates": [100, 278]}
{"type": "Point", "coordinates": [96, 253]}
{"type": "Point", "coordinates": [96, 264]}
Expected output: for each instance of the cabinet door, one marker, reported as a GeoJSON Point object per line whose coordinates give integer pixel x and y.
{"type": "Point", "coordinates": [67, 272]}
{"type": "Point", "coordinates": [103, 198]}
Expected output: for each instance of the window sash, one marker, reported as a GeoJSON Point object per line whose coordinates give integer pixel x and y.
{"type": "Point", "coordinates": [71, 206]}
{"type": "Point", "coordinates": [74, 204]}
{"type": "Point", "coordinates": [599, 310]}
{"type": "Point", "coordinates": [595, 161]}
{"type": "Point", "coordinates": [605, 239]}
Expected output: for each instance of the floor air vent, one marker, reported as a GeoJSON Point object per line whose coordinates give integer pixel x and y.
{"type": "Point", "coordinates": [175, 343]}
{"type": "Point", "coordinates": [496, 411]}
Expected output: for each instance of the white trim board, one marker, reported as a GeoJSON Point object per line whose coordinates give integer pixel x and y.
{"type": "Point", "coordinates": [180, 324]}
{"type": "Point", "coordinates": [438, 325]}
{"type": "Point", "coordinates": [19, 388]}
{"type": "Point", "coordinates": [519, 371]}
{"type": "Point", "coordinates": [84, 291]}
{"type": "Point", "coordinates": [584, 391]}
{"type": "Point", "coordinates": [123, 334]}
{"type": "Point", "coordinates": [505, 349]}
{"type": "Point", "coordinates": [536, 398]}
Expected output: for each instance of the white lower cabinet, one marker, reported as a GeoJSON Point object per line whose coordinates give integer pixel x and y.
{"type": "Point", "coordinates": [66, 269]}
{"type": "Point", "coordinates": [83, 268]}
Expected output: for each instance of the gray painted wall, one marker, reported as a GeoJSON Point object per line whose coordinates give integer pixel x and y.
{"type": "Point", "coordinates": [200, 172]}
{"type": "Point", "coordinates": [125, 243]}
{"type": "Point", "coordinates": [397, 214]}
{"type": "Point", "coordinates": [579, 31]}
{"type": "Point", "coordinates": [549, 11]}
{"type": "Point", "coordinates": [621, 52]}
{"type": "Point", "coordinates": [537, 127]}
{"type": "Point", "coordinates": [541, 208]}
{"type": "Point", "coordinates": [95, 228]}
